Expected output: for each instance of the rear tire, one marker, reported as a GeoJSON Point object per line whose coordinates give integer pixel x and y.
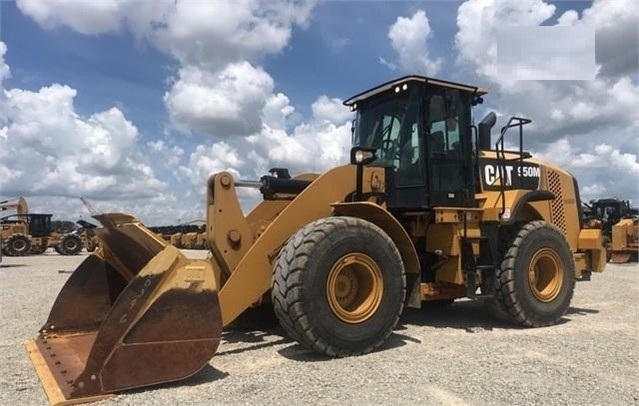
{"type": "Point", "coordinates": [339, 286]}
{"type": "Point", "coordinates": [71, 244]}
{"type": "Point", "coordinates": [18, 245]}
{"type": "Point", "coordinates": [536, 279]}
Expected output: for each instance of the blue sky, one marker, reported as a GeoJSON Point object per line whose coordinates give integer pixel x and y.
{"type": "Point", "coordinates": [152, 82]}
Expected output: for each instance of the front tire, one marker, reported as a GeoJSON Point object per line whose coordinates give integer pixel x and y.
{"type": "Point", "coordinates": [536, 279]}
{"type": "Point", "coordinates": [18, 245]}
{"type": "Point", "coordinates": [71, 244]}
{"type": "Point", "coordinates": [339, 286]}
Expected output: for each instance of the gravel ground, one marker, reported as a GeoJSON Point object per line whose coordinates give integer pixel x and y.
{"type": "Point", "coordinates": [452, 356]}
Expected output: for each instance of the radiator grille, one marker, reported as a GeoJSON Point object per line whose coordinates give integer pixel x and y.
{"type": "Point", "coordinates": [557, 205]}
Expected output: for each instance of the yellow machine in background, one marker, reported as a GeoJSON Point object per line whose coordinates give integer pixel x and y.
{"type": "Point", "coordinates": [624, 244]}
{"type": "Point", "coordinates": [427, 209]}
{"type": "Point", "coordinates": [619, 224]}
{"type": "Point", "coordinates": [185, 236]}
{"type": "Point", "coordinates": [27, 233]}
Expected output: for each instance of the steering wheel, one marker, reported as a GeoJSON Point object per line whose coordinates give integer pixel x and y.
{"type": "Point", "coordinates": [388, 144]}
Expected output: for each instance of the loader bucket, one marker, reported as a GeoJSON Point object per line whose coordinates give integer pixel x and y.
{"type": "Point", "coordinates": [134, 313]}
{"type": "Point", "coordinates": [620, 257]}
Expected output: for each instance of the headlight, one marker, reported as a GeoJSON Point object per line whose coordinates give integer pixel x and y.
{"type": "Point", "coordinates": [362, 156]}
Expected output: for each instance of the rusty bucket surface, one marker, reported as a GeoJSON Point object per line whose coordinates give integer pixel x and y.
{"type": "Point", "coordinates": [134, 313]}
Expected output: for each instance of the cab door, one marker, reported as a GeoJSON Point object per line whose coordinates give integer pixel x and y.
{"type": "Point", "coordinates": [449, 148]}
{"type": "Point", "coordinates": [405, 177]}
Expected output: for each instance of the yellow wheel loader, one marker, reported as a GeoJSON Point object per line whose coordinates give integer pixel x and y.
{"type": "Point", "coordinates": [624, 244]}
{"type": "Point", "coordinates": [27, 233]}
{"type": "Point", "coordinates": [86, 232]}
{"type": "Point", "coordinates": [188, 241]}
{"type": "Point", "coordinates": [429, 209]}
{"type": "Point", "coordinates": [619, 224]}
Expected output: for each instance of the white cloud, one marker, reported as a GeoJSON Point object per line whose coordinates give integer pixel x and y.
{"type": "Point", "coordinates": [570, 118]}
{"type": "Point", "coordinates": [219, 89]}
{"type": "Point", "coordinates": [169, 155]}
{"type": "Point", "coordinates": [212, 34]}
{"type": "Point", "coordinates": [617, 34]}
{"type": "Point", "coordinates": [409, 38]}
{"type": "Point", "coordinates": [315, 145]}
{"type": "Point", "coordinates": [5, 72]}
{"type": "Point", "coordinates": [49, 149]}
{"type": "Point", "coordinates": [91, 17]}
{"type": "Point", "coordinates": [277, 111]}
{"type": "Point", "coordinates": [478, 21]}
{"type": "Point", "coordinates": [602, 169]}
{"type": "Point", "coordinates": [615, 23]}
{"type": "Point", "coordinates": [208, 34]}
{"type": "Point", "coordinates": [224, 103]}
{"type": "Point", "coordinates": [331, 110]}
{"type": "Point", "coordinates": [558, 108]}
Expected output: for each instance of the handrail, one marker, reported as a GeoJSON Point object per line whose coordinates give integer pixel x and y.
{"type": "Point", "coordinates": [501, 155]}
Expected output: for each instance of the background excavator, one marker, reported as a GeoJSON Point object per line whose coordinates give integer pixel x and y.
{"type": "Point", "coordinates": [429, 208]}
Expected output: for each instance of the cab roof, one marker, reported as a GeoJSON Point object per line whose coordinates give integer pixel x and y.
{"type": "Point", "coordinates": [413, 78]}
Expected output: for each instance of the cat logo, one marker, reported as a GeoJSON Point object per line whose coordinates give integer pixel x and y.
{"type": "Point", "coordinates": [514, 174]}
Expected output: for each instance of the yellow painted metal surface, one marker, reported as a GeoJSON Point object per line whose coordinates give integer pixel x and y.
{"type": "Point", "coordinates": [582, 263]}
{"type": "Point", "coordinates": [354, 288]}
{"type": "Point", "coordinates": [49, 384]}
{"type": "Point", "coordinates": [384, 220]}
{"type": "Point", "coordinates": [621, 233]}
{"type": "Point", "coordinates": [251, 278]}
{"type": "Point", "coordinates": [457, 214]}
{"type": "Point", "coordinates": [230, 236]}
{"type": "Point", "coordinates": [590, 239]}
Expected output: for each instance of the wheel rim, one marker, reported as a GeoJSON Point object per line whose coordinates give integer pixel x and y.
{"type": "Point", "coordinates": [545, 275]}
{"type": "Point", "coordinates": [19, 245]}
{"type": "Point", "coordinates": [71, 245]}
{"type": "Point", "coordinates": [354, 288]}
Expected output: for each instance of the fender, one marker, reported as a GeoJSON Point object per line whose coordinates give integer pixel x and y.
{"type": "Point", "coordinates": [532, 196]}
{"type": "Point", "coordinates": [377, 215]}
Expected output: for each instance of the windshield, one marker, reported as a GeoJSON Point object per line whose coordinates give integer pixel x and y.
{"type": "Point", "coordinates": [389, 124]}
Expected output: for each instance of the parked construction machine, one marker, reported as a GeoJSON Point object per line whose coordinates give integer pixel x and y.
{"type": "Point", "coordinates": [187, 236]}
{"type": "Point", "coordinates": [86, 232]}
{"type": "Point", "coordinates": [427, 209]}
{"type": "Point", "coordinates": [619, 223]}
{"type": "Point", "coordinates": [27, 233]}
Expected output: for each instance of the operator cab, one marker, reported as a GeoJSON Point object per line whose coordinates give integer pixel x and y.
{"type": "Point", "coordinates": [420, 129]}
{"type": "Point", "coordinates": [39, 224]}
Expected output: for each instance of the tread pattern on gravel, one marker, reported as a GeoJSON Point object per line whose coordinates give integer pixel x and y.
{"type": "Point", "coordinates": [287, 283]}
{"type": "Point", "coordinates": [507, 301]}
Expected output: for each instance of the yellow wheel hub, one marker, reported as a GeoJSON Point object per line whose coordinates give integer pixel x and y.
{"type": "Point", "coordinates": [354, 288]}
{"type": "Point", "coordinates": [545, 275]}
